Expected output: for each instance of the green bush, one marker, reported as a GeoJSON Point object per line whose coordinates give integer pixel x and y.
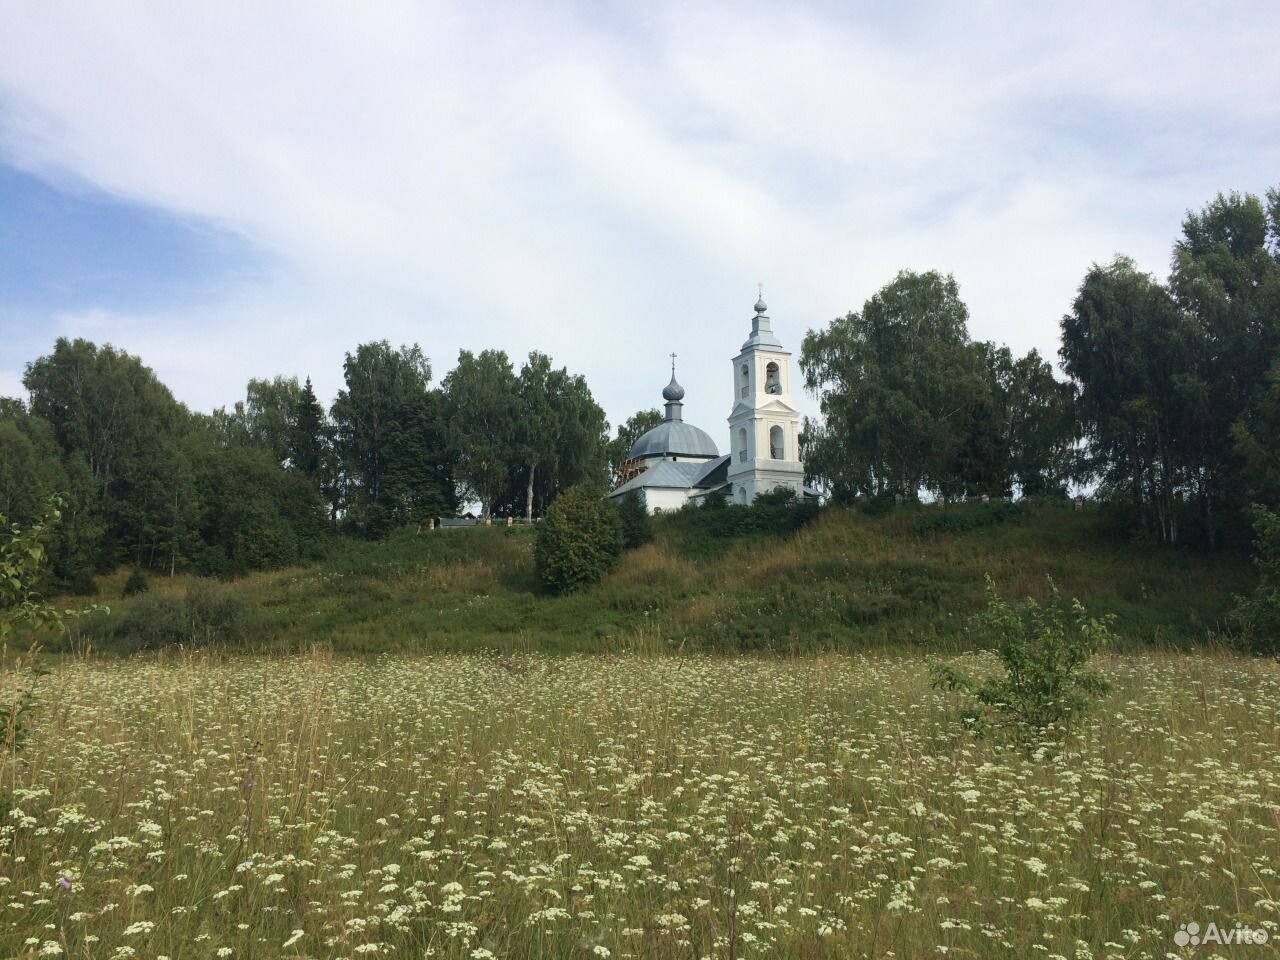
{"type": "Point", "coordinates": [1258, 616]}
{"type": "Point", "coordinates": [880, 504]}
{"type": "Point", "coordinates": [703, 532]}
{"type": "Point", "coordinates": [152, 622]}
{"type": "Point", "coordinates": [634, 517]}
{"type": "Point", "coordinates": [209, 613]}
{"type": "Point", "coordinates": [967, 517]}
{"type": "Point", "coordinates": [136, 584]}
{"type": "Point", "coordinates": [578, 542]}
{"type": "Point", "coordinates": [1045, 651]}
{"type": "Point", "coordinates": [82, 584]}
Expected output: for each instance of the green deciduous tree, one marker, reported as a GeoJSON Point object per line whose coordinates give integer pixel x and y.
{"type": "Point", "coordinates": [897, 384]}
{"type": "Point", "coordinates": [1226, 278]}
{"type": "Point", "coordinates": [483, 416]}
{"type": "Point", "coordinates": [390, 439]}
{"type": "Point", "coordinates": [109, 411]}
{"type": "Point", "coordinates": [1258, 616]}
{"type": "Point", "coordinates": [636, 426]}
{"type": "Point", "coordinates": [271, 411]}
{"type": "Point", "coordinates": [1140, 400]}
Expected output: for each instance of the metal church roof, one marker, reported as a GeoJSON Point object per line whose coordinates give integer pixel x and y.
{"type": "Point", "coordinates": [678, 474]}
{"type": "Point", "coordinates": [674, 438]}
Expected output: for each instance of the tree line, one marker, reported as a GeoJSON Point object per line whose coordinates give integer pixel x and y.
{"type": "Point", "coordinates": [1170, 411]}
{"type": "Point", "coordinates": [147, 482]}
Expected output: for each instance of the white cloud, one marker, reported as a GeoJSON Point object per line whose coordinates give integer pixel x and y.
{"type": "Point", "coordinates": [608, 185]}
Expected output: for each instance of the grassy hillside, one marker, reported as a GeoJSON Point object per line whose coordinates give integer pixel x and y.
{"type": "Point", "coordinates": [845, 581]}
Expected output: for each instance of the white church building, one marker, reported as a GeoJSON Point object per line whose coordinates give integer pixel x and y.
{"type": "Point", "coordinates": [676, 463]}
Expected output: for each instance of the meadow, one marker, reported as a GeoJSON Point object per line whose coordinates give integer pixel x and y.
{"type": "Point", "coordinates": [533, 806]}
{"type": "Point", "coordinates": [729, 748]}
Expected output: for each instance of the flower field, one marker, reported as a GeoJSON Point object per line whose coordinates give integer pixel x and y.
{"type": "Point", "coordinates": [648, 807]}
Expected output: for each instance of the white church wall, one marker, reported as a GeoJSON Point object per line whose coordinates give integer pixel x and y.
{"type": "Point", "coordinates": [664, 499]}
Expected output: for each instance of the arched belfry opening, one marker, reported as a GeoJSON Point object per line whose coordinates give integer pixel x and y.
{"type": "Point", "coordinates": [776, 443]}
{"type": "Point", "coordinates": [772, 378]}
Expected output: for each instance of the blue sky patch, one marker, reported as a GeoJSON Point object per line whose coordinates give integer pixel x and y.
{"type": "Point", "coordinates": [65, 249]}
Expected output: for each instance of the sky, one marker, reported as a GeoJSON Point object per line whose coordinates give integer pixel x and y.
{"type": "Point", "coordinates": [239, 190]}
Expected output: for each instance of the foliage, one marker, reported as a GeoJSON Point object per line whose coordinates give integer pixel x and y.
{"type": "Point", "coordinates": [1045, 651]}
{"type": "Point", "coordinates": [1020, 432]}
{"type": "Point", "coordinates": [136, 584]}
{"type": "Point", "coordinates": [895, 384]}
{"type": "Point", "coordinates": [109, 411]}
{"type": "Point", "coordinates": [909, 403]}
{"type": "Point", "coordinates": [634, 517]}
{"type": "Point", "coordinates": [208, 613]}
{"type": "Point", "coordinates": [1173, 382]}
{"type": "Point", "coordinates": [481, 396]}
{"type": "Point", "coordinates": [1131, 353]}
{"type": "Point", "coordinates": [252, 515]}
{"type": "Point", "coordinates": [559, 438]}
{"type": "Point", "coordinates": [1258, 616]}
{"type": "Point", "coordinates": [942, 520]}
{"type": "Point", "coordinates": [636, 426]}
{"type": "Point", "coordinates": [578, 542]}
{"type": "Point", "coordinates": [1257, 443]}
{"type": "Point", "coordinates": [22, 555]}
{"type": "Point", "coordinates": [710, 530]}
{"type": "Point", "coordinates": [391, 440]}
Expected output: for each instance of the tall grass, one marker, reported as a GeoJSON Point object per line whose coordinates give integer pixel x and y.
{"type": "Point", "coordinates": [843, 581]}
{"type": "Point", "coordinates": [467, 807]}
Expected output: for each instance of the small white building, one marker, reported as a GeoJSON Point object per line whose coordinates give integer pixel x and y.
{"type": "Point", "coordinates": [675, 462]}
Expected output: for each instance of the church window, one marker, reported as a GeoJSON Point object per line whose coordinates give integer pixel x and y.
{"type": "Point", "coordinates": [742, 444]}
{"type": "Point", "coordinates": [746, 381]}
{"type": "Point", "coordinates": [775, 442]}
{"type": "Point", "coordinates": [772, 379]}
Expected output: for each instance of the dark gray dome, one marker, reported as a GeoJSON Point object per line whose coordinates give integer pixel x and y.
{"type": "Point", "coordinates": [674, 438]}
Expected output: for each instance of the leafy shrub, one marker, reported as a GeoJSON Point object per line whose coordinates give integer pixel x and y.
{"type": "Point", "coordinates": [82, 584]}
{"type": "Point", "coordinates": [1258, 616]}
{"type": "Point", "coordinates": [708, 530]}
{"type": "Point", "coordinates": [578, 542]}
{"type": "Point", "coordinates": [634, 517]}
{"type": "Point", "coordinates": [962, 519]}
{"type": "Point", "coordinates": [880, 505]}
{"type": "Point", "coordinates": [1045, 651]}
{"type": "Point", "coordinates": [136, 584]}
{"type": "Point", "coordinates": [152, 622]}
{"type": "Point", "coordinates": [216, 614]}
{"type": "Point", "coordinates": [209, 613]}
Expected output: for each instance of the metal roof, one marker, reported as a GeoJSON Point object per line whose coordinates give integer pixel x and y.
{"type": "Point", "coordinates": [674, 438]}
{"type": "Point", "coordinates": [675, 474]}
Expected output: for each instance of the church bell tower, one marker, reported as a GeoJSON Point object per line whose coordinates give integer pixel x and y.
{"type": "Point", "coordinates": [764, 426]}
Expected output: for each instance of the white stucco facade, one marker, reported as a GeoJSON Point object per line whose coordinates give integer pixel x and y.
{"type": "Point", "coordinates": [764, 425]}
